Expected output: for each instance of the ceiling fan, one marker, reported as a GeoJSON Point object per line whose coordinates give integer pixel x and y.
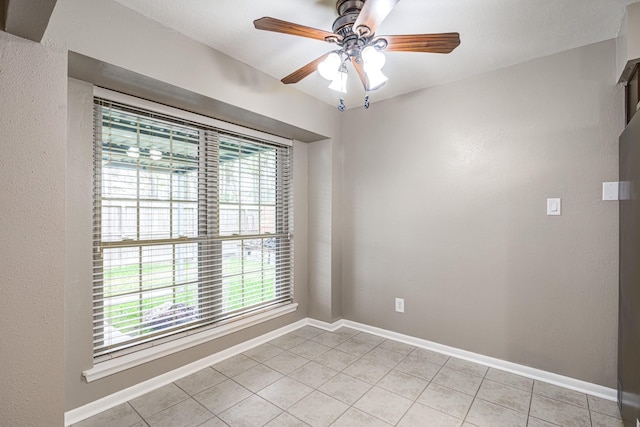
{"type": "Point", "coordinates": [354, 33]}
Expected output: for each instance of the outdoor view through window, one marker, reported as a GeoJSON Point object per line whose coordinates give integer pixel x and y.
{"type": "Point", "coordinates": [192, 226]}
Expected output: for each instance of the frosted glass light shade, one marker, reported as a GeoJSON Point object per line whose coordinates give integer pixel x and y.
{"type": "Point", "coordinates": [330, 66]}
{"type": "Point", "coordinates": [340, 82]}
{"type": "Point", "coordinates": [372, 58]}
{"type": "Point", "coordinates": [376, 79]}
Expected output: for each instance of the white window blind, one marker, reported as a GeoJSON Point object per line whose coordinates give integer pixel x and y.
{"type": "Point", "coordinates": [192, 226]}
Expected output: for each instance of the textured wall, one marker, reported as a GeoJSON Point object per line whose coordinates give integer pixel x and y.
{"type": "Point", "coordinates": [445, 205]}
{"type": "Point", "coordinates": [320, 250]}
{"type": "Point", "coordinates": [32, 173]}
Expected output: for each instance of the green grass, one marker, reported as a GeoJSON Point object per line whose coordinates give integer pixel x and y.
{"type": "Point", "coordinates": [257, 286]}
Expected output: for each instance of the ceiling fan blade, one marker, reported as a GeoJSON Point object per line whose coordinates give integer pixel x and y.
{"type": "Point", "coordinates": [279, 26]}
{"type": "Point", "coordinates": [430, 43]}
{"type": "Point", "coordinates": [303, 72]}
{"type": "Point", "coordinates": [363, 76]}
{"type": "Point", "coordinates": [373, 13]}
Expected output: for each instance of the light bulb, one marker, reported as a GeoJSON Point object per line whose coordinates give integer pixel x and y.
{"type": "Point", "coordinates": [330, 66]}
{"type": "Point", "coordinates": [340, 82]}
{"type": "Point", "coordinates": [133, 152]}
{"type": "Point", "coordinates": [372, 58]}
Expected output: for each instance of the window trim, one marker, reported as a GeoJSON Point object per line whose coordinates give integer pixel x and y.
{"type": "Point", "coordinates": [109, 364]}
{"type": "Point", "coordinates": [112, 364]}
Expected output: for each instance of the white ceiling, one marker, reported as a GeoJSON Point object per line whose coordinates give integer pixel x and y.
{"type": "Point", "coordinates": [494, 34]}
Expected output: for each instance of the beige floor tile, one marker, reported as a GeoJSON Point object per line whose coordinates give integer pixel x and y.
{"type": "Point", "coordinates": [425, 355]}
{"type": "Point", "coordinates": [313, 374]}
{"type": "Point", "coordinates": [309, 349]}
{"type": "Point", "coordinates": [369, 338]}
{"type": "Point", "coordinates": [121, 415]}
{"type": "Point", "coordinates": [336, 359]}
{"type": "Point", "coordinates": [510, 379]}
{"type": "Point", "coordinates": [366, 371]}
{"type": "Point", "coordinates": [354, 417]}
{"type": "Point", "coordinates": [286, 362]}
{"type": "Point", "coordinates": [535, 422]}
{"type": "Point", "coordinates": [399, 347]}
{"type": "Point", "coordinates": [213, 422]}
{"type": "Point", "coordinates": [329, 339]}
{"type": "Point", "coordinates": [286, 420]}
{"type": "Point", "coordinates": [257, 378]}
{"type": "Point", "coordinates": [285, 392]}
{"type": "Point", "coordinates": [158, 400]}
{"type": "Point", "coordinates": [506, 396]}
{"type": "Point", "coordinates": [355, 347]}
{"type": "Point", "coordinates": [308, 332]}
{"type": "Point", "coordinates": [346, 332]}
{"type": "Point", "coordinates": [251, 412]}
{"type": "Point", "coordinates": [318, 409]}
{"type": "Point", "coordinates": [187, 413]}
{"type": "Point", "coordinates": [418, 368]}
{"type": "Point", "coordinates": [557, 412]}
{"type": "Point", "coordinates": [403, 384]}
{"type": "Point", "coordinates": [486, 414]}
{"type": "Point", "coordinates": [263, 352]}
{"type": "Point", "coordinates": [222, 396]}
{"type": "Point", "coordinates": [235, 365]}
{"type": "Point", "coordinates": [345, 388]}
{"type": "Point", "coordinates": [602, 420]}
{"type": "Point", "coordinates": [287, 341]}
{"type": "Point", "coordinates": [199, 381]}
{"type": "Point", "coordinates": [446, 400]}
{"type": "Point", "coordinates": [466, 366]}
{"type": "Point", "coordinates": [384, 405]}
{"type": "Point", "coordinates": [560, 393]}
{"type": "Point", "coordinates": [458, 380]}
{"type": "Point", "coordinates": [384, 357]}
{"type": "Point", "coordinates": [423, 416]}
{"type": "Point", "coordinates": [603, 406]}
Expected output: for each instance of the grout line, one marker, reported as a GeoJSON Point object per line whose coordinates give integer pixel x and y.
{"type": "Point", "coordinates": [136, 411]}
{"type": "Point", "coordinates": [530, 403]}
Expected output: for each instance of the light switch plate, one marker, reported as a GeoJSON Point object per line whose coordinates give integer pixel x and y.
{"type": "Point", "coordinates": [610, 191]}
{"type": "Point", "coordinates": [554, 207]}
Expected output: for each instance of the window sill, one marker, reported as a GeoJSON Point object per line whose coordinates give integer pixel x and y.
{"type": "Point", "coordinates": [128, 361]}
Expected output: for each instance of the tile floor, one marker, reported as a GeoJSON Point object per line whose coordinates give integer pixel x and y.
{"type": "Point", "coordinates": [348, 378]}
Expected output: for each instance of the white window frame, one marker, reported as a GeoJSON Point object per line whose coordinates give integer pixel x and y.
{"type": "Point", "coordinates": [109, 364]}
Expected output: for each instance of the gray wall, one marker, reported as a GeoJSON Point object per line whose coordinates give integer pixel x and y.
{"type": "Point", "coordinates": [74, 27]}
{"type": "Point", "coordinates": [445, 205]}
{"type": "Point", "coordinates": [32, 245]}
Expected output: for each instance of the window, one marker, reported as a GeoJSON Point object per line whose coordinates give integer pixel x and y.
{"type": "Point", "coordinates": [192, 226]}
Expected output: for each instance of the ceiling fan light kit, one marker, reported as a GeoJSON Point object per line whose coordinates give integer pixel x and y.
{"type": "Point", "coordinates": [354, 34]}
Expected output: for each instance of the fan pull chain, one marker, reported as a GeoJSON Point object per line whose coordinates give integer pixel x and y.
{"type": "Point", "coordinates": [366, 102]}
{"type": "Point", "coordinates": [341, 106]}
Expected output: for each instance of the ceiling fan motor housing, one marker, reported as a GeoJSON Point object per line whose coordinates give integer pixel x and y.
{"type": "Point", "coordinates": [348, 11]}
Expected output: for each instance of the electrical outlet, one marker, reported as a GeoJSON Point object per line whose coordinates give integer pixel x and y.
{"type": "Point", "coordinates": [400, 305]}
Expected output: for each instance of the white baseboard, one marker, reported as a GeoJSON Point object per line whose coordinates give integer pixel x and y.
{"type": "Point", "coordinates": [93, 408]}
{"type": "Point", "coordinates": [514, 368]}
